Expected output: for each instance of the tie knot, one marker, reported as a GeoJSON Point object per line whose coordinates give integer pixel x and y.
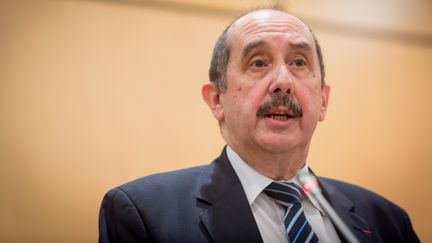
{"type": "Point", "coordinates": [284, 192]}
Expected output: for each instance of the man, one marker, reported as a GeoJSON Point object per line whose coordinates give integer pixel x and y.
{"type": "Point", "coordinates": [267, 92]}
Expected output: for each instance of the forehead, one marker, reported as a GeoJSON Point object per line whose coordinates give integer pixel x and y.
{"type": "Point", "coordinates": [258, 25]}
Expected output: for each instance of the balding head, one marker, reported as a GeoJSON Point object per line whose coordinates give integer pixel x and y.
{"type": "Point", "coordinates": [222, 49]}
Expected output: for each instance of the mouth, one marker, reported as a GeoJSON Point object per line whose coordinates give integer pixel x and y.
{"type": "Point", "coordinates": [280, 117]}
{"type": "Point", "coordinates": [280, 114]}
{"type": "Point", "coordinates": [280, 108]}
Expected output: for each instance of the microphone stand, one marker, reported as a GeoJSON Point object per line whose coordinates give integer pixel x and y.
{"type": "Point", "coordinates": [311, 187]}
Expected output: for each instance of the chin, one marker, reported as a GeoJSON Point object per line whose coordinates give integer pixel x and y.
{"type": "Point", "coordinates": [278, 145]}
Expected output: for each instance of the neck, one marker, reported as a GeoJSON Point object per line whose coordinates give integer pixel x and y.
{"type": "Point", "coordinates": [275, 165]}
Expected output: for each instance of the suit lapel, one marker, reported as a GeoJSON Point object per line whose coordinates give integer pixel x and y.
{"type": "Point", "coordinates": [228, 217]}
{"type": "Point", "coordinates": [346, 210]}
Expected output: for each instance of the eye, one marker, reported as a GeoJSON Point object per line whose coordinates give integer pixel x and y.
{"type": "Point", "coordinates": [298, 62]}
{"type": "Point", "coordinates": [258, 63]}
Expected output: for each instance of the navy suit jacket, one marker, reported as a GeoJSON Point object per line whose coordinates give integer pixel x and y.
{"type": "Point", "coordinates": [208, 204]}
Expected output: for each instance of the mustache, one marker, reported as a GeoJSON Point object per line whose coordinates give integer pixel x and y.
{"type": "Point", "coordinates": [280, 100]}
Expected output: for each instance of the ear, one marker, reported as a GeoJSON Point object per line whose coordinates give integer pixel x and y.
{"type": "Point", "coordinates": [212, 96]}
{"type": "Point", "coordinates": [325, 93]}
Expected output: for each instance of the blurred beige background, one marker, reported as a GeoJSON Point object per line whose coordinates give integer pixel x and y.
{"type": "Point", "coordinates": [96, 93]}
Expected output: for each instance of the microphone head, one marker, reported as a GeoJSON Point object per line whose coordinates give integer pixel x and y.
{"type": "Point", "coordinates": [309, 183]}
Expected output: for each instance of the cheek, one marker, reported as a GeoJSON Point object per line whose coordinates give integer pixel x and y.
{"type": "Point", "coordinates": [310, 100]}
{"type": "Point", "coordinates": [254, 99]}
{"type": "Point", "coordinates": [243, 106]}
{"type": "Point", "coordinates": [247, 94]}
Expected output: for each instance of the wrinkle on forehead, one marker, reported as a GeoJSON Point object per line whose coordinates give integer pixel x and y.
{"type": "Point", "coordinates": [267, 20]}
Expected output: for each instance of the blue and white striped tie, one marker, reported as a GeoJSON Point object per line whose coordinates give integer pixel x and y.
{"type": "Point", "coordinates": [288, 195]}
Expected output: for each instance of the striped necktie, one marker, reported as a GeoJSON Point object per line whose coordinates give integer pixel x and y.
{"type": "Point", "coordinates": [288, 195]}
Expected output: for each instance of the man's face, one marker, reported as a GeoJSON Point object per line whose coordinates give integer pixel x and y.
{"type": "Point", "coordinates": [274, 96]}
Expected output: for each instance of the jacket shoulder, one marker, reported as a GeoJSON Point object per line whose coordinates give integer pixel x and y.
{"type": "Point", "coordinates": [134, 211]}
{"type": "Point", "coordinates": [387, 219]}
{"type": "Point", "coordinates": [362, 197]}
{"type": "Point", "coordinates": [171, 182]}
{"type": "Point", "coordinates": [357, 193]}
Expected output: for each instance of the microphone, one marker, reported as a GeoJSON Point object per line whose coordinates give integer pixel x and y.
{"type": "Point", "coordinates": [311, 187]}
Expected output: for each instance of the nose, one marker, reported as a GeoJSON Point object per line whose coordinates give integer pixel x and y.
{"type": "Point", "coordinates": [282, 83]}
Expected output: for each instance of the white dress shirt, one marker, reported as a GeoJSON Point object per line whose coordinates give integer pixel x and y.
{"type": "Point", "coordinates": [269, 214]}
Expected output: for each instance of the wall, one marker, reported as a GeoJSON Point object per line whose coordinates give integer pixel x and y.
{"type": "Point", "coordinates": [94, 94]}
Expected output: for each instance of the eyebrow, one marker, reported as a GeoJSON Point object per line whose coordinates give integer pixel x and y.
{"type": "Point", "coordinates": [296, 46]}
{"type": "Point", "coordinates": [249, 47]}
{"type": "Point", "coordinates": [300, 45]}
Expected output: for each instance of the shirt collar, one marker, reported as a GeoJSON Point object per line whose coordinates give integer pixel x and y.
{"type": "Point", "coordinates": [254, 183]}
